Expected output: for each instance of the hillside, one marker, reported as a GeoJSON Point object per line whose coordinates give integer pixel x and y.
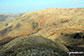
{"type": "Point", "coordinates": [47, 22]}
{"type": "Point", "coordinates": [3, 17]}
{"type": "Point", "coordinates": [62, 27]}
{"type": "Point", "coordinates": [6, 18]}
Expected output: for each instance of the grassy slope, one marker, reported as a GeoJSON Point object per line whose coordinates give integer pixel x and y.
{"type": "Point", "coordinates": [5, 19]}
{"type": "Point", "coordinates": [33, 45]}
{"type": "Point", "coordinates": [48, 22]}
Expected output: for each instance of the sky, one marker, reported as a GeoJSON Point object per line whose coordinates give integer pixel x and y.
{"type": "Point", "coordinates": [21, 6]}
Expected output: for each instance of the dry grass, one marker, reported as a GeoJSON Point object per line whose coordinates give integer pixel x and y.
{"type": "Point", "coordinates": [56, 20]}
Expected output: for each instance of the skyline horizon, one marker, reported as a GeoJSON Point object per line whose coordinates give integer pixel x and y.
{"type": "Point", "coordinates": [34, 10]}
{"type": "Point", "coordinates": [22, 6]}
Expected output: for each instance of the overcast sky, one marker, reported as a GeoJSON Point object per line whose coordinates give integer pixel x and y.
{"type": "Point", "coordinates": [21, 6]}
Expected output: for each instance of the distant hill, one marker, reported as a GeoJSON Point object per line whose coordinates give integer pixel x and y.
{"type": "Point", "coordinates": [5, 16]}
